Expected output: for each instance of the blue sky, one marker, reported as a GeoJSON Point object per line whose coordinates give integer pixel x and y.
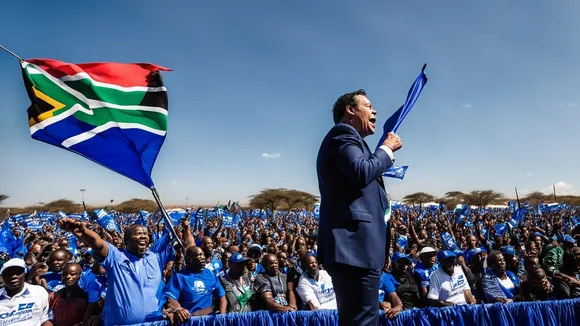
{"type": "Point", "coordinates": [501, 108]}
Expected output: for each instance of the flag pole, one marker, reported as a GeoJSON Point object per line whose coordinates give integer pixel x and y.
{"type": "Point", "coordinates": [517, 197]}
{"type": "Point", "coordinates": [11, 53]}
{"type": "Point", "coordinates": [555, 199]}
{"type": "Point", "coordinates": [165, 216]}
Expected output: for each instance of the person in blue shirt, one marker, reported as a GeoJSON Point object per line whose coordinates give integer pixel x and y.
{"type": "Point", "coordinates": [134, 274]}
{"type": "Point", "coordinates": [189, 292]}
{"type": "Point", "coordinates": [212, 262]}
{"type": "Point", "coordinates": [52, 281]}
{"type": "Point", "coordinates": [424, 269]}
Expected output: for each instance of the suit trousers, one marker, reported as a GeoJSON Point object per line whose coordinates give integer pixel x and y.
{"type": "Point", "coordinates": [357, 294]}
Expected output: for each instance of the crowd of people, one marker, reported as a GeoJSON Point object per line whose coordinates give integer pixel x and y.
{"type": "Point", "coordinates": [71, 272]}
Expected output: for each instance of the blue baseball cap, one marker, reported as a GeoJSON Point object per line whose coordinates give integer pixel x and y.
{"type": "Point", "coordinates": [444, 254]}
{"type": "Point", "coordinates": [469, 254]}
{"type": "Point", "coordinates": [238, 258]}
{"type": "Point", "coordinates": [399, 255]}
{"type": "Point", "coordinates": [508, 250]}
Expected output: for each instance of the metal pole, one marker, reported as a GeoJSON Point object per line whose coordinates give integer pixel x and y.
{"type": "Point", "coordinates": [11, 53]}
{"type": "Point", "coordinates": [555, 198]}
{"type": "Point", "coordinates": [166, 216]}
{"type": "Point", "coordinates": [83, 199]}
{"type": "Point", "coordinates": [517, 197]}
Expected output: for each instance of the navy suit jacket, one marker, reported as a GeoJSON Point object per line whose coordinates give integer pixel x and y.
{"type": "Point", "coordinates": [353, 200]}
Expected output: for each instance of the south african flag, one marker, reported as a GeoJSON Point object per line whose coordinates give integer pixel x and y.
{"type": "Point", "coordinates": [114, 114]}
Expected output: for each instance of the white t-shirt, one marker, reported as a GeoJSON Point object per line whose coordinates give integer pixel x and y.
{"type": "Point", "coordinates": [448, 288]}
{"type": "Point", "coordinates": [320, 293]}
{"type": "Point", "coordinates": [27, 308]}
{"type": "Point", "coordinates": [507, 283]}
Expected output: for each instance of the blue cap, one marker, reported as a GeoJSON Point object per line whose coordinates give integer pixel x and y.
{"type": "Point", "coordinates": [444, 254]}
{"type": "Point", "coordinates": [508, 250]}
{"type": "Point", "coordinates": [537, 234]}
{"type": "Point", "coordinates": [238, 258]}
{"type": "Point", "coordinates": [469, 254]}
{"type": "Point", "coordinates": [568, 238]}
{"type": "Point", "coordinates": [399, 255]}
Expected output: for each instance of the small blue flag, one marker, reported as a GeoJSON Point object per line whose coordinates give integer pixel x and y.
{"type": "Point", "coordinates": [396, 172]}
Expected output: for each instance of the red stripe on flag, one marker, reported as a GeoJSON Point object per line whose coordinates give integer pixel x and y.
{"type": "Point", "coordinates": [122, 74]}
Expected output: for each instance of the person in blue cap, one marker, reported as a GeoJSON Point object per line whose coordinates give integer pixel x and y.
{"type": "Point", "coordinates": [406, 287]}
{"type": "Point", "coordinates": [448, 285]}
{"type": "Point", "coordinates": [237, 285]}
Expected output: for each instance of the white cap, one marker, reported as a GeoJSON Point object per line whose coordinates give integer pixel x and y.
{"type": "Point", "coordinates": [427, 250]}
{"type": "Point", "coordinates": [14, 262]}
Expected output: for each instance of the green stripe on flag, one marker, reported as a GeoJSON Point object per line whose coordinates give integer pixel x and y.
{"type": "Point", "coordinates": [129, 111]}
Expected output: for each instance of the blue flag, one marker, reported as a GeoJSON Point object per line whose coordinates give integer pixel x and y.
{"type": "Point", "coordinates": [396, 172]}
{"type": "Point", "coordinates": [106, 221]}
{"type": "Point", "coordinates": [393, 123]}
{"type": "Point", "coordinates": [316, 212]}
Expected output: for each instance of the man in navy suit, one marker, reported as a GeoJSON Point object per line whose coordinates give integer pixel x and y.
{"type": "Point", "coordinates": [352, 237]}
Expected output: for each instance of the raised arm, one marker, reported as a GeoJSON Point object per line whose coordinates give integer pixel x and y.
{"type": "Point", "coordinates": [80, 230]}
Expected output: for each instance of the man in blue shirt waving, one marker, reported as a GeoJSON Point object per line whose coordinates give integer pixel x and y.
{"type": "Point", "coordinates": [134, 274]}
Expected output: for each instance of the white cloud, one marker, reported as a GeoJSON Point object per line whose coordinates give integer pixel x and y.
{"type": "Point", "coordinates": [568, 105]}
{"type": "Point", "coordinates": [174, 181]}
{"type": "Point", "coordinates": [562, 188]}
{"type": "Point", "coordinates": [467, 105]}
{"type": "Point", "coordinates": [271, 155]}
{"type": "Point", "coordinates": [529, 173]}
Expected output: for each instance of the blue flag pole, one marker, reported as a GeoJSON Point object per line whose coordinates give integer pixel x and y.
{"type": "Point", "coordinates": [394, 122]}
{"type": "Point", "coordinates": [166, 217]}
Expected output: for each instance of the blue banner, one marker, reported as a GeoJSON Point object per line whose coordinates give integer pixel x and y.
{"type": "Point", "coordinates": [393, 123]}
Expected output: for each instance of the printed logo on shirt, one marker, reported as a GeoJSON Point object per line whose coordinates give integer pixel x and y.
{"type": "Point", "coordinates": [24, 312]}
{"type": "Point", "coordinates": [326, 295]}
{"type": "Point", "coordinates": [460, 280]}
{"type": "Point", "coordinates": [199, 287]}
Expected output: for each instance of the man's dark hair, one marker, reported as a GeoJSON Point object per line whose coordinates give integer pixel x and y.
{"type": "Point", "coordinates": [344, 101]}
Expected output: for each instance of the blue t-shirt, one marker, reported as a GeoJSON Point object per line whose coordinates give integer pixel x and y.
{"type": "Point", "coordinates": [53, 281]}
{"type": "Point", "coordinates": [214, 265]}
{"type": "Point", "coordinates": [423, 273]}
{"type": "Point", "coordinates": [387, 286]}
{"type": "Point", "coordinates": [96, 288]}
{"type": "Point", "coordinates": [192, 290]}
{"type": "Point", "coordinates": [133, 286]}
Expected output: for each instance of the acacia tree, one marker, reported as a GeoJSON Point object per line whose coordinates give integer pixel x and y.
{"type": "Point", "coordinates": [290, 199]}
{"type": "Point", "coordinates": [452, 198]}
{"type": "Point", "coordinates": [418, 198]}
{"type": "Point", "coordinates": [535, 197]}
{"type": "Point", "coordinates": [135, 205]}
{"type": "Point", "coordinates": [482, 198]}
{"type": "Point", "coordinates": [3, 198]}
{"type": "Point", "coordinates": [63, 204]}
